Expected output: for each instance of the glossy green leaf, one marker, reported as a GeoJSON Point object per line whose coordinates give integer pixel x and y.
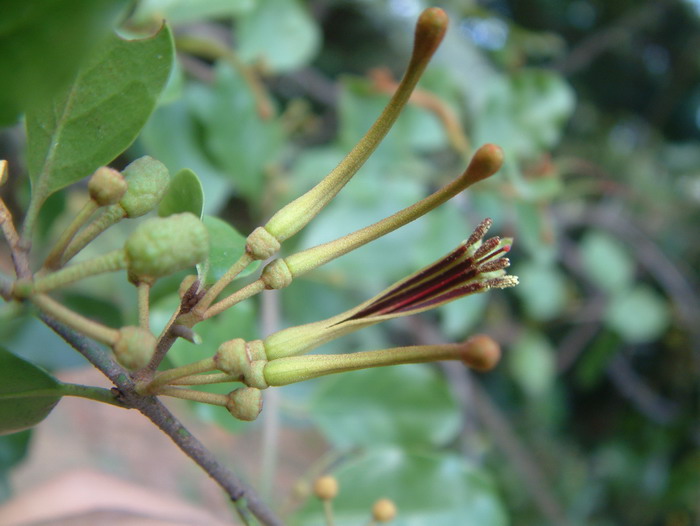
{"type": "Point", "coordinates": [27, 393]}
{"type": "Point", "coordinates": [94, 119]}
{"type": "Point", "coordinates": [185, 194]}
{"type": "Point", "coordinates": [532, 363]}
{"type": "Point", "coordinates": [226, 245]}
{"type": "Point", "coordinates": [183, 11]}
{"type": "Point", "coordinates": [542, 289]}
{"type": "Point", "coordinates": [439, 490]}
{"type": "Point", "coordinates": [42, 43]}
{"type": "Point", "coordinates": [407, 404]}
{"type": "Point", "coordinates": [606, 261]}
{"type": "Point", "coordinates": [235, 136]}
{"type": "Point", "coordinates": [638, 315]}
{"type": "Point", "coordinates": [279, 33]}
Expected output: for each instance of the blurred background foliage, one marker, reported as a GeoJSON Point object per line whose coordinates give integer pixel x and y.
{"type": "Point", "coordinates": [592, 417]}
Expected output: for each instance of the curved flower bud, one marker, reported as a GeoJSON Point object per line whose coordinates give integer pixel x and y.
{"type": "Point", "coordinates": [474, 266]}
{"type": "Point", "coordinates": [430, 29]}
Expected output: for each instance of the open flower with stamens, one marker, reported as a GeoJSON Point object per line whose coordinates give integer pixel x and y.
{"type": "Point", "coordinates": [476, 265]}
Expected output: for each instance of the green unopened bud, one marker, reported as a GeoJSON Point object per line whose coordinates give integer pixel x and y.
{"type": "Point", "coordinates": [164, 245]}
{"type": "Point", "coordinates": [3, 172]}
{"type": "Point", "coordinates": [106, 186]}
{"type": "Point", "coordinates": [244, 360]}
{"type": "Point", "coordinates": [134, 347]}
{"type": "Point", "coordinates": [245, 403]}
{"type": "Point", "coordinates": [261, 244]}
{"type": "Point", "coordinates": [148, 181]}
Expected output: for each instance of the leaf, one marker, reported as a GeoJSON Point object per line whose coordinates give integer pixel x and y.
{"type": "Point", "coordinates": [92, 121]}
{"type": "Point", "coordinates": [183, 11]}
{"type": "Point", "coordinates": [606, 261]}
{"type": "Point", "coordinates": [531, 362]}
{"type": "Point", "coordinates": [27, 393]}
{"type": "Point", "coordinates": [638, 315]}
{"type": "Point", "coordinates": [439, 490]}
{"type": "Point", "coordinates": [280, 33]}
{"type": "Point", "coordinates": [408, 404]}
{"type": "Point", "coordinates": [542, 290]}
{"type": "Point", "coordinates": [42, 43]}
{"type": "Point", "coordinates": [226, 245]}
{"type": "Point", "coordinates": [185, 194]}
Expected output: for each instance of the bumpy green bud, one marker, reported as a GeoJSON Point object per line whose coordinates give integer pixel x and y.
{"type": "Point", "coordinates": [106, 186]}
{"type": "Point", "coordinates": [245, 403]}
{"type": "Point", "coordinates": [148, 180]}
{"type": "Point", "coordinates": [164, 245]}
{"type": "Point", "coordinates": [134, 347]}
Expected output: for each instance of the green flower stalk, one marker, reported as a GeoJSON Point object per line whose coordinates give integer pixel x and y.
{"type": "Point", "coordinates": [475, 266]}
{"type": "Point", "coordinates": [486, 161]}
{"type": "Point", "coordinates": [265, 241]}
{"type": "Point", "coordinates": [479, 352]}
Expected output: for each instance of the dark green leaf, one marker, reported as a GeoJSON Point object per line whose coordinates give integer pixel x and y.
{"type": "Point", "coordinates": [185, 194]}
{"type": "Point", "coordinates": [42, 43]}
{"type": "Point", "coordinates": [94, 119]}
{"type": "Point", "coordinates": [408, 404]}
{"type": "Point", "coordinates": [27, 393]}
{"type": "Point", "coordinates": [439, 490]}
{"type": "Point", "coordinates": [226, 245]}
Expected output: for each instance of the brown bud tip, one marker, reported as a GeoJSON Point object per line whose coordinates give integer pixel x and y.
{"type": "Point", "coordinates": [326, 487]}
{"type": "Point", "coordinates": [430, 30]}
{"type": "Point", "coordinates": [481, 352]}
{"type": "Point", "coordinates": [384, 510]}
{"type": "Point", "coordinates": [486, 161]}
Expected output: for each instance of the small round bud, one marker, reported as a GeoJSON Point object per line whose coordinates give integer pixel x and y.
{"type": "Point", "coordinates": [245, 403]}
{"type": "Point", "coordinates": [164, 245]}
{"type": "Point", "coordinates": [326, 487]}
{"type": "Point", "coordinates": [134, 347]}
{"type": "Point", "coordinates": [106, 186]}
{"type": "Point", "coordinates": [276, 275]}
{"type": "Point", "coordinates": [148, 180]}
{"type": "Point", "coordinates": [486, 161]}
{"type": "Point", "coordinates": [384, 510]}
{"type": "Point", "coordinates": [261, 244]}
{"type": "Point", "coordinates": [481, 352]}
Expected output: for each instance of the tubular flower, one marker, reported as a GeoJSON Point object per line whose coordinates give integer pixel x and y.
{"type": "Point", "coordinates": [476, 265]}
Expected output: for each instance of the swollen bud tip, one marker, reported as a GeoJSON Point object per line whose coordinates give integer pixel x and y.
{"type": "Point", "coordinates": [106, 186]}
{"type": "Point", "coordinates": [384, 510]}
{"type": "Point", "coordinates": [481, 352]}
{"type": "Point", "coordinates": [326, 487]}
{"type": "Point", "coordinates": [134, 347]}
{"type": "Point", "coordinates": [430, 30]}
{"type": "Point", "coordinates": [486, 161]}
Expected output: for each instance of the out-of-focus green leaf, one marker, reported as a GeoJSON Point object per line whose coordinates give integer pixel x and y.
{"type": "Point", "coordinates": [42, 43]}
{"type": "Point", "coordinates": [184, 11]}
{"type": "Point", "coordinates": [172, 135]}
{"type": "Point", "coordinates": [279, 33]}
{"type": "Point", "coordinates": [638, 315]}
{"type": "Point", "coordinates": [525, 112]}
{"type": "Point", "coordinates": [226, 245]}
{"type": "Point", "coordinates": [606, 261]}
{"type": "Point", "coordinates": [542, 289]}
{"type": "Point", "coordinates": [409, 405]}
{"type": "Point", "coordinates": [94, 119]}
{"type": "Point", "coordinates": [27, 394]}
{"type": "Point", "coordinates": [235, 136]}
{"type": "Point", "coordinates": [13, 449]}
{"type": "Point", "coordinates": [531, 233]}
{"type": "Point", "coordinates": [439, 490]}
{"type": "Point", "coordinates": [531, 362]}
{"type": "Point", "coordinates": [185, 194]}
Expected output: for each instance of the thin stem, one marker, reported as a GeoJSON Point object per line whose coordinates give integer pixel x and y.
{"type": "Point", "coordinates": [195, 396]}
{"type": "Point", "coordinates": [99, 394]}
{"type": "Point", "coordinates": [206, 379]}
{"type": "Point", "coordinates": [76, 321]}
{"type": "Point", "coordinates": [214, 291]}
{"type": "Point", "coordinates": [270, 309]}
{"type": "Point", "coordinates": [143, 292]}
{"type": "Point", "coordinates": [244, 499]}
{"type": "Point", "coordinates": [53, 260]}
{"type": "Point", "coordinates": [19, 258]}
{"type": "Point", "coordinates": [246, 292]}
{"type": "Point", "coordinates": [110, 262]}
{"type": "Point", "coordinates": [110, 215]}
{"type": "Point", "coordinates": [328, 512]}
{"type": "Point", "coordinates": [166, 377]}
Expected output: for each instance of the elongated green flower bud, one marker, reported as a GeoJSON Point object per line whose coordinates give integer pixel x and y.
{"type": "Point", "coordinates": [475, 266]}
{"type": "Point", "coordinates": [148, 180]}
{"type": "Point", "coordinates": [430, 29]}
{"type": "Point", "coordinates": [486, 161]}
{"type": "Point", "coordinates": [480, 352]}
